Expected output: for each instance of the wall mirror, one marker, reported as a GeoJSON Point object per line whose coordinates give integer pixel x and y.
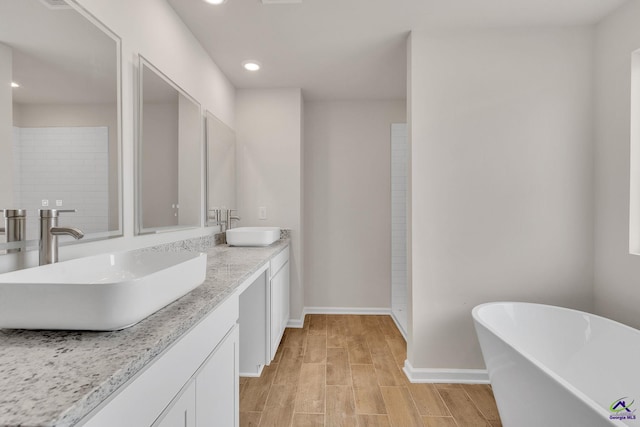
{"type": "Point", "coordinates": [221, 166]}
{"type": "Point", "coordinates": [169, 154]}
{"type": "Point", "coordinates": [60, 116]}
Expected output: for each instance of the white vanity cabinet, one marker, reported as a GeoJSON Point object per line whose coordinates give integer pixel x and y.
{"type": "Point", "coordinates": [211, 396]}
{"type": "Point", "coordinates": [279, 299]}
{"type": "Point", "coordinates": [193, 383]}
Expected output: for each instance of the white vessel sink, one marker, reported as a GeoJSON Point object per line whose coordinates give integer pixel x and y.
{"type": "Point", "coordinates": [101, 293]}
{"type": "Point", "coordinates": [253, 236]}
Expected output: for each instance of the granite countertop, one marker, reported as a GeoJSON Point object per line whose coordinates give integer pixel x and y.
{"type": "Point", "coordinates": [55, 378]}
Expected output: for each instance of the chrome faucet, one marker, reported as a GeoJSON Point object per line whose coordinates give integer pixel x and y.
{"type": "Point", "coordinates": [49, 232]}
{"type": "Point", "coordinates": [14, 226]}
{"type": "Point", "coordinates": [214, 216]}
{"type": "Point", "coordinates": [223, 218]}
{"type": "Point", "coordinates": [230, 217]}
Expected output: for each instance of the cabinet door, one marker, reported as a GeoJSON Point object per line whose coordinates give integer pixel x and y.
{"type": "Point", "coordinates": [182, 411]}
{"type": "Point", "coordinates": [284, 298]}
{"type": "Point", "coordinates": [279, 306]}
{"type": "Point", "coordinates": [274, 322]}
{"type": "Point", "coordinates": [165, 377]}
{"type": "Point", "coordinates": [217, 386]}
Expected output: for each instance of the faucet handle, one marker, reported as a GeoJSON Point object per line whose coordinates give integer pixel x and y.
{"type": "Point", "coordinates": [214, 214]}
{"type": "Point", "coordinates": [53, 213]}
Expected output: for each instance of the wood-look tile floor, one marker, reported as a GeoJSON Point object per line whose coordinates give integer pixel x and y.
{"type": "Point", "coordinates": [343, 370]}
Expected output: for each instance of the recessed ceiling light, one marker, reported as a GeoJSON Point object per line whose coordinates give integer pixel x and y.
{"type": "Point", "coordinates": [251, 65]}
{"type": "Point", "coordinates": [14, 84]}
{"type": "Point", "coordinates": [215, 1]}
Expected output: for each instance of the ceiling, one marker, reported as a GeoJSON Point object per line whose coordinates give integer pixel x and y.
{"type": "Point", "coordinates": [352, 49]}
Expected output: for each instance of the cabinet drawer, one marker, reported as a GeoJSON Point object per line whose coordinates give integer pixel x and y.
{"type": "Point", "coordinates": [278, 261]}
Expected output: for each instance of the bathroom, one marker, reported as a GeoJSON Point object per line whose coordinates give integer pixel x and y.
{"type": "Point", "coordinates": [520, 125]}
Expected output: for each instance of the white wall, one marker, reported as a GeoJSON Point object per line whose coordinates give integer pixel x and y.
{"type": "Point", "coordinates": [501, 209]}
{"type": "Point", "coordinates": [151, 28]}
{"type": "Point", "coordinates": [269, 144]}
{"type": "Point", "coordinates": [348, 202]}
{"type": "Point", "coordinates": [616, 271]}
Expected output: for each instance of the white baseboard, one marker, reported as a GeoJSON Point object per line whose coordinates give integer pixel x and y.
{"type": "Point", "coordinates": [346, 310]}
{"type": "Point", "coordinates": [298, 323]}
{"type": "Point", "coordinates": [455, 376]}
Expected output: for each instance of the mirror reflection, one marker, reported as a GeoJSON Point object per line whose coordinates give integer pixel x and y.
{"type": "Point", "coordinates": [59, 116]}
{"type": "Point", "coordinates": [221, 166]}
{"type": "Point", "coordinates": [169, 154]}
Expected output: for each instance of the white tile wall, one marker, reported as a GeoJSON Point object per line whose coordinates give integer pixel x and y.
{"type": "Point", "coordinates": [63, 163]}
{"type": "Point", "coordinates": [399, 166]}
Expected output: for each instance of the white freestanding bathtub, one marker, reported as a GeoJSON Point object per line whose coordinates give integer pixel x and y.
{"type": "Point", "coordinates": [551, 366]}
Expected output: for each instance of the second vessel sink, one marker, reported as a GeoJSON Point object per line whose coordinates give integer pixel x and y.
{"type": "Point", "coordinates": [252, 236]}
{"type": "Point", "coordinates": [101, 293]}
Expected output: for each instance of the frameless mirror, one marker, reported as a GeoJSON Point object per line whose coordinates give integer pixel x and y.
{"type": "Point", "coordinates": [221, 166]}
{"type": "Point", "coordinates": [60, 116]}
{"type": "Point", "coordinates": [169, 154]}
